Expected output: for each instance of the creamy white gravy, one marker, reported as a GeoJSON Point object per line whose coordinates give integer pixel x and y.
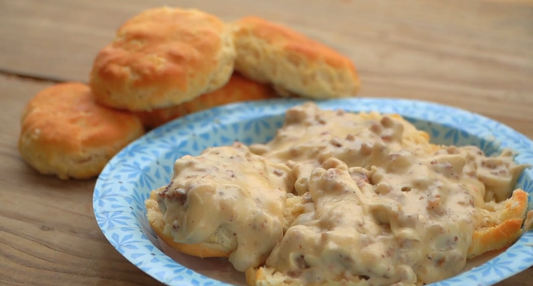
{"type": "Point", "coordinates": [386, 205]}
{"type": "Point", "coordinates": [232, 189]}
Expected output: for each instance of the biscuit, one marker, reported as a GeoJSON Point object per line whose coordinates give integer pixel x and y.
{"type": "Point", "coordinates": [219, 244]}
{"type": "Point", "coordinates": [238, 89]}
{"type": "Point", "coordinates": [163, 57]}
{"type": "Point", "coordinates": [503, 225]}
{"type": "Point", "coordinates": [504, 228]}
{"type": "Point", "coordinates": [291, 62]}
{"type": "Point", "coordinates": [65, 133]}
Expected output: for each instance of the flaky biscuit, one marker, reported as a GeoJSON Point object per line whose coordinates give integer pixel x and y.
{"type": "Point", "coordinates": [219, 244]}
{"type": "Point", "coordinates": [238, 89]}
{"type": "Point", "coordinates": [293, 63]}
{"type": "Point", "coordinates": [503, 225]}
{"type": "Point", "coordinates": [163, 57]}
{"type": "Point", "coordinates": [65, 133]}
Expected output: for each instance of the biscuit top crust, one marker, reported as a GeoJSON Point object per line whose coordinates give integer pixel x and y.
{"type": "Point", "coordinates": [160, 53]}
{"type": "Point", "coordinates": [66, 117]}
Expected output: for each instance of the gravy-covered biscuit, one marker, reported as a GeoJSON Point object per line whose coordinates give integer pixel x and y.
{"type": "Point", "coordinates": [371, 202]}
{"type": "Point", "coordinates": [65, 133]}
{"type": "Point", "coordinates": [248, 202]}
{"type": "Point", "coordinates": [219, 244]}
{"type": "Point", "coordinates": [378, 237]}
{"type": "Point", "coordinates": [236, 90]}
{"type": "Point", "coordinates": [163, 57]}
{"type": "Point", "coordinates": [294, 64]}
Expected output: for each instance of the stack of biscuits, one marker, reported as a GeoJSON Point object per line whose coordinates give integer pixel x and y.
{"type": "Point", "coordinates": [165, 63]}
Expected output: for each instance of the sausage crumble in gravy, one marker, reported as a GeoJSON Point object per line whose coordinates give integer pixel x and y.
{"type": "Point", "coordinates": [381, 204]}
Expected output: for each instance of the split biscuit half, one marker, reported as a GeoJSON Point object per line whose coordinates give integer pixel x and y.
{"type": "Point", "coordinates": [293, 63]}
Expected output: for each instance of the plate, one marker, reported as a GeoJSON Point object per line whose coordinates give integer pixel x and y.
{"type": "Point", "coordinates": [147, 163]}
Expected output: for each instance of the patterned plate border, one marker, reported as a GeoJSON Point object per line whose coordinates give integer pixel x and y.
{"type": "Point", "coordinates": [145, 164]}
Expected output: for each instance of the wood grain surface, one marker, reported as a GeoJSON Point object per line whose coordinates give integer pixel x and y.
{"type": "Point", "coordinates": [471, 54]}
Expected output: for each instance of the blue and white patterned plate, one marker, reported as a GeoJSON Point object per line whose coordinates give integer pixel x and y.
{"type": "Point", "coordinates": [147, 163]}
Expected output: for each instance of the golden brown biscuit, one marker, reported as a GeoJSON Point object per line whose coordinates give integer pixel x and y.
{"type": "Point", "coordinates": [65, 133]}
{"type": "Point", "coordinates": [503, 225]}
{"type": "Point", "coordinates": [271, 53]}
{"type": "Point", "coordinates": [238, 89]}
{"type": "Point", "coordinates": [163, 57]}
{"type": "Point", "coordinates": [222, 242]}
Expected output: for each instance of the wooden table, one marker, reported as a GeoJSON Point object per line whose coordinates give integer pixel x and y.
{"type": "Point", "coordinates": [472, 54]}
